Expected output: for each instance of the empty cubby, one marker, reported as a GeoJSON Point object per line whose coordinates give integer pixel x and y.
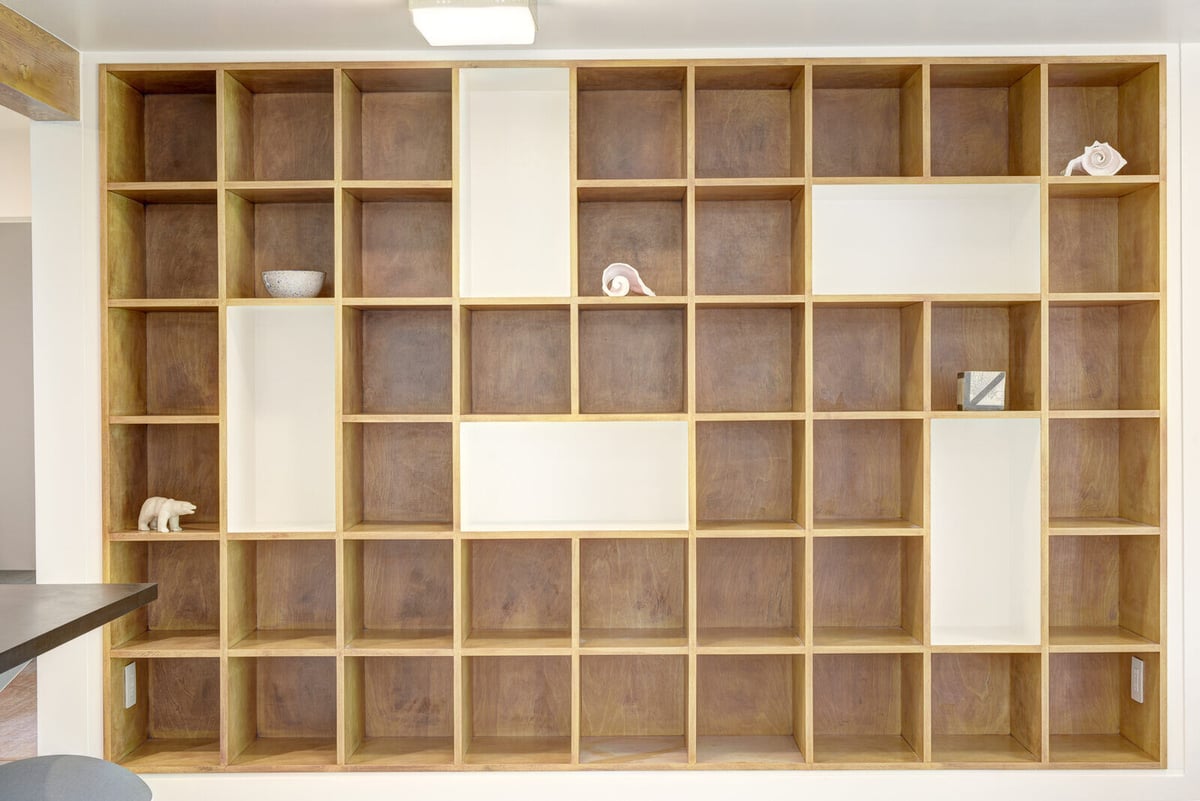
{"type": "Point", "coordinates": [162, 245]}
{"type": "Point", "coordinates": [633, 592]}
{"type": "Point", "coordinates": [169, 461]}
{"type": "Point", "coordinates": [163, 362]}
{"type": "Point", "coordinates": [517, 710]}
{"type": "Point", "coordinates": [1104, 590]}
{"type": "Point", "coordinates": [868, 591]}
{"type": "Point", "coordinates": [1093, 718]}
{"type": "Point", "coordinates": [399, 710]}
{"type": "Point", "coordinates": [987, 707]}
{"type": "Point", "coordinates": [868, 474]}
{"type": "Point", "coordinates": [397, 361]}
{"type": "Point", "coordinates": [519, 593]}
{"type": "Point", "coordinates": [867, 120]}
{"type": "Point", "coordinates": [985, 119]}
{"type": "Point", "coordinates": [983, 336]}
{"type": "Point", "coordinates": [283, 711]}
{"type": "Point", "coordinates": [633, 709]}
{"type": "Point", "coordinates": [642, 228]}
{"type": "Point", "coordinates": [750, 474]}
{"type": "Point", "coordinates": [1105, 238]}
{"type": "Point", "coordinates": [186, 617]}
{"type": "Point", "coordinates": [750, 592]}
{"type": "Point", "coordinates": [397, 476]}
{"type": "Point", "coordinates": [750, 122]}
{"type": "Point", "coordinates": [279, 125]}
{"type": "Point", "coordinates": [1117, 103]}
{"type": "Point", "coordinates": [750, 359]}
{"type": "Point", "coordinates": [749, 241]}
{"type": "Point", "coordinates": [174, 723]}
{"type": "Point", "coordinates": [632, 361]}
{"type": "Point", "coordinates": [868, 358]}
{"type": "Point", "coordinates": [749, 709]}
{"type": "Point", "coordinates": [162, 125]}
{"type": "Point", "coordinates": [1104, 474]}
{"type": "Point", "coordinates": [1104, 356]}
{"type": "Point", "coordinates": [399, 594]}
{"type": "Point", "coordinates": [868, 708]}
{"type": "Point", "coordinates": [277, 230]}
{"type": "Point", "coordinates": [631, 122]}
{"type": "Point", "coordinates": [519, 361]}
{"type": "Point", "coordinates": [396, 243]}
{"type": "Point", "coordinates": [282, 596]}
{"type": "Point", "coordinates": [396, 124]}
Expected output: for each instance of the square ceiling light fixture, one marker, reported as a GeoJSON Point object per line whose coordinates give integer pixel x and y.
{"type": "Point", "coordinates": [460, 23]}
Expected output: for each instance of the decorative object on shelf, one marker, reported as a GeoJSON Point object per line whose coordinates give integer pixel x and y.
{"type": "Point", "coordinates": [1099, 158]}
{"type": "Point", "coordinates": [620, 279]}
{"type": "Point", "coordinates": [981, 391]}
{"type": "Point", "coordinates": [293, 283]}
{"type": "Point", "coordinates": [164, 513]}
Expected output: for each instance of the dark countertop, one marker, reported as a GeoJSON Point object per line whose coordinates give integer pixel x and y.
{"type": "Point", "coordinates": [35, 618]}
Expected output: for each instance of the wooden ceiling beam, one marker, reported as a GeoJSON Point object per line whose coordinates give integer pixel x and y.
{"type": "Point", "coordinates": [39, 74]}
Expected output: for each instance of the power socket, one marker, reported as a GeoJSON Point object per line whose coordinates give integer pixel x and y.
{"type": "Point", "coordinates": [1137, 680]}
{"type": "Point", "coordinates": [130, 684]}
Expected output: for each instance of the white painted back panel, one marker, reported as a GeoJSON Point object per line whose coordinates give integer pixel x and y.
{"type": "Point", "coordinates": [622, 476]}
{"type": "Point", "coordinates": [280, 403]}
{"type": "Point", "coordinates": [937, 239]}
{"type": "Point", "coordinates": [515, 179]}
{"type": "Point", "coordinates": [985, 531]}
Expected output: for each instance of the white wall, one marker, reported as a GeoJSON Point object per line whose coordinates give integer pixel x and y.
{"type": "Point", "coordinates": [16, 346]}
{"type": "Point", "coordinates": [16, 402]}
{"type": "Point", "coordinates": [67, 394]}
{"type": "Point", "coordinates": [14, 166]}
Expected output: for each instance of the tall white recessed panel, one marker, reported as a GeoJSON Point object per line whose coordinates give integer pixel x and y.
{"type": "Point", "coordinates": [515, 182]}
{"type": "Point", "coordinates": [985, 531]}
{"type": "Point", "coordinates": [280, 411]}
{"type": "Point", "coordinates": [574, 476]}
{"type": "Point", "coordinates": [934, 239]}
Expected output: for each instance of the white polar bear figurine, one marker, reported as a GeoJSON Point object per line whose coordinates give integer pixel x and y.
{"type": "Point", "coordinates": [164, 513]}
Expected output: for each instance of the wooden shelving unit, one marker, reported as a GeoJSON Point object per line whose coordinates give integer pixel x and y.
{"type": "Point", "coordinates": [787, 622]}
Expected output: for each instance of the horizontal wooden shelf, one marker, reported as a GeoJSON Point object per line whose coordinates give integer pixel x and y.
{"type": "Point", "coordinates": [1097, 638]}
{"type": "Point", "coordinates": [736, 640]}
{"type": "Point", "coordinates": [1097, 750]}
{"type": "Point", "coordinates": [401, 642]}
{"type": "Point", "coordinates": [167, 643]}
{"type": "Point", "coordinates": [633, 639]}
{"type": "Point", "coordinates": [633, 750]}
{"type": "Point", "coordinates": [290, 753]}
{"type": "Point", "coordinates": [980, 749]}
{"type": "Point", "coordinates": [748, 751]}
{"type": "Point", "coordinates": [286, 643]}
{"type": "Point", "coordinates": [862, 638]}
{"type": "Point", "coordinates": [518, 751]}
{"type": "Point", "coordinates": [400, 752]}
{"type": "Point", "coordinates": [183, 755]}
{"type": "Point", "coordinates": [518, 640]}
{"type": "Point", "coordinates": [863, 750]}
{"type": "Point", "coordinates": [1099, 526]}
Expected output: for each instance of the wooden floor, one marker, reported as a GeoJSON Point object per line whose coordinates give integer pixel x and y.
{"type": "Point", "coordinates": [18, 701]}
{"type": "Point", "coordinates": [18, 716]}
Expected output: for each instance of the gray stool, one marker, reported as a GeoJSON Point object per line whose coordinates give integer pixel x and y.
{"type": "Point", "coordinates": [67, 777]}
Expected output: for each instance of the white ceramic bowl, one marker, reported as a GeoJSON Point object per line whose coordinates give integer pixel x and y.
{"type": "Point", "coordinates": [293, 283]}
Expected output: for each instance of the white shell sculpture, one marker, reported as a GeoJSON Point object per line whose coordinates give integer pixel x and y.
{"type": "Point", "coordinates": [620, 279]}
{"type": "Point", "coordinates": [1099, 158]}
{"type": "Point", "coordinates": [164, 513]}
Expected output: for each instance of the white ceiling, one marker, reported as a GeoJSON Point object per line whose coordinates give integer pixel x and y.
{"type": "Point", "coordinates": [215, 25]}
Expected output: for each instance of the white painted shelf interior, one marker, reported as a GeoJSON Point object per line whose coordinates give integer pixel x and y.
{"type": "Point", "coordinates": [985, 531]}
{"type": "Point", "coordinates": [280, 401]}
{"type": "Point", "coordinates": [515, 179]}
{"type": "Point", "coordinates": [620, 476]}
{"type": "Point", "coordinates": [935, 239]}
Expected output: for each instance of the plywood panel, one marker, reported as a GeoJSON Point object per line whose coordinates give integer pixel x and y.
{"type": "Point", "coordinates": [407, 472]}
{"type": "Point", "coordinates": [407, 585]}
{"type": "Point", "coordinates": [650, 140]}
{"type": "Point", "coordinates": [748, 360]}
{"type": "Point", "coordinates": [647, 234]}
{"type": "Point", "coordinates": [746, 471]}
{"type": "Point", "coordinates": [745, 247]}
{"type": "Point", "coordinates": [297, 697]}
{"type": "Point", "coordinates": [408, 697]}
{"type": "Point", "coordinates": [750, 584]}
{"type": "Point", "coordinates": [520, 696]}
{"type": "Point", "coordinates": [520, 584]}
{"type": "Point", "coordinates": [744, 695]}
{"type": "Point", "coordinates": [520, 361]}
{"type": "Point", "coordinates": [633, 584]}
{"type": "Point", "coordinates": [632, 361]}
{"type": "Point", "coordinates": [633, 696]}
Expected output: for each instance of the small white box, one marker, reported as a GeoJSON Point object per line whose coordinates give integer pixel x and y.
{"type": "Point", "coordinates": [981, 390]}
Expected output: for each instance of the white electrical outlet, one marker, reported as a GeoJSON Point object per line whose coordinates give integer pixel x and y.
{"type": "Point", "coordinates": [130, 684]}
{"type": "Point", "coordinates": [1137, 680]}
